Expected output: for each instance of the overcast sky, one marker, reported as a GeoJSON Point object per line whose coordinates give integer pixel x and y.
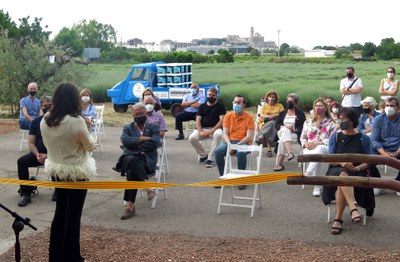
{"type": "Point", "coordinates": [302, 23]}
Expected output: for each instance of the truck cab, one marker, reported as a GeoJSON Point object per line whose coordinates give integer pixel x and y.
{"type": "Point", "coordinates": [169, 82]}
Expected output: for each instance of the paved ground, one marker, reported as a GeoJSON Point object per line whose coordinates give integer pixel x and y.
{"type": "Point", "coordinates": [288, 213]}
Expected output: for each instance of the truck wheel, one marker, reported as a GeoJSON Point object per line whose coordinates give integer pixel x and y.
{"type": "Point", "coordinates": [175, 109]}
{"type": "Point", "coordinates": [120, 108]}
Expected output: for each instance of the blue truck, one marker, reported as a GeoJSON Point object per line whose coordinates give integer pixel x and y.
{"type": "Point", "coordinates": [169, 81]}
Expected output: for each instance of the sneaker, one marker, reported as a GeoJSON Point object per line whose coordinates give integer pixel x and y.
{"type": "Point", "coordinates": [242, 187]}
{"type": "Point", "coordinates": [24, 200]}
{"type": "Point", "coordinates": [377, 191]}
{"type": "Point", "coordinates": [317, 191]}
{"type": "Point", "coordinates": [398, 194]}
{"type": "Point", "coordinates": [128, 213]}
{"type": "Point", "coordinates": [180, 137]}
{"type": "Point", "coordinates": [203, 159]}
{"type": "Point", "coordinates": [209, 163]}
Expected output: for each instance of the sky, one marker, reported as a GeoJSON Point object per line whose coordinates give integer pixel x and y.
{"type": "Point", "coordinates": [304, 24]}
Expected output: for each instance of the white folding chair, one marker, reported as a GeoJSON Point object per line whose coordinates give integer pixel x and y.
{"type": "Point", "coordinates": [24, 137]}
{"type": "Point", "coordinates": [363, 213]}
{"type": "Point", "coordinates": [190, 126]}
{"type": "Point", "coordinates": [230, 173]}
{"type": "Point", "coordinates": [98, 123]}
{"type": "Point", "coordinates": [160, 172]}
{"type": "Point", "coordinates": [100, 110]}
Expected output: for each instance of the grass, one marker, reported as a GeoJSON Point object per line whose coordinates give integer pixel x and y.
{"type": "Point", "coordinates": [255, 79]}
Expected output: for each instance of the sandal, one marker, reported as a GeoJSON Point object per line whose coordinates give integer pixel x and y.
{"type": "Point", "coordinates": [356, 219]}
{"type": "Point", "coordinates": [290, 156]}
{"type": "Point", "coordinates": [336, 230]}
{"type": "Point", "coordinates": [279, 167]}
{"type": "Point", "coordinates": [269, 153]}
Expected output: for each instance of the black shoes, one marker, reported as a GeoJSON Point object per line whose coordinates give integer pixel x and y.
{"type": "Point", "coordinates": [24, 200]}
{"type": "Point", "coordinates": [209, 163]}
{"type": "Point", "coordinates": [54, 196]}
{"type": "Point", "coordinates": [180, 137]}
{"type": "Point", "coordinates": [203, 159]}
{"type": "Point", "coordinates": [242, 187]}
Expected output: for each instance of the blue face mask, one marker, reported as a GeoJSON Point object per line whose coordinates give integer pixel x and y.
{"type": "Point", "coordinates": [193, 91]}
{"type": "Point", "coordinates": [237, 108]}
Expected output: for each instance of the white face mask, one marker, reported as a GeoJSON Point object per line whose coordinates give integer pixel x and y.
{"type": "Point", "coordinates": [85, 99]}
{"type": "Point", "coordinates": [390, 75]}
{"type": "Point", "coordinates": [149, 107]}
{"type": "Point", "coordinates": [390, 111]}
{"type": "Point", "coordinates": [263, 103]}
{"type": "Point", "coordinates": [335, 110]}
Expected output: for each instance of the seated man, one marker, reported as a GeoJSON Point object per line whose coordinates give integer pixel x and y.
{"type": "Point", "coordinates": [36, 156]}
{"type": "Point", "coordinates": [385, 136]}
{"type": "Point", "coordinates": [190, 103]}
{"type": "Point", "coordinates": [29, 107]}
{"type": "Point", "coordinates": [139, 159]}
{"type": "Point", "coordinates": [154, 117]}
{"type": "Point", "coordinates": [238, 128]}
{"type": "Point", "coordinates": [209, 121]}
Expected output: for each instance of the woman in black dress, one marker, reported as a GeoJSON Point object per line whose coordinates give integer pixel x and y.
{"type": "Point", "coordinates": [349, 140]}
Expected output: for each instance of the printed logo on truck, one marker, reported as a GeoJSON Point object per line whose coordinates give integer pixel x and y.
{"type": "Point", "coordinates": [179, 93]}
{"type": "Point", "coordinates": [138, 89]}
{"type": "Point", "coordinates": [161, 95]}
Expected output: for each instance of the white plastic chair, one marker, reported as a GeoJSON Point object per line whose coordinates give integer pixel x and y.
{"type": "Point", "coordinates": [160, 172]}
{"type": "Point", "coordinates": [190, 127]}
{"type": "Point", "coordinates": [98, 123]}
{"type": "Point", "coordinates": [230, 173]}
{"type": "Point", "coordinates": [24, 137]}
{"type": "Point", "coordinates": [100, 109]}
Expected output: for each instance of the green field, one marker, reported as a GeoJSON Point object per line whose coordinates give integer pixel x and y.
{"type": "Point", "coordinates": [254, 79]}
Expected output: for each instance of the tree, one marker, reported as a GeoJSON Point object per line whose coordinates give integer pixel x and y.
{"type": "Point", "coordinates": [285, 49]}
{"type": "Point", "coordinates": [356, 46]}
{"type": "Point", "coordinates": [32, 31]}
{"type": "Point", "coordinates": [69, 38]}
{"type": "Point", "coordinates": [94, 34]}
{"type": "Point", "coordinates": [368, 50]}
{"type": "Point", "coordinates": [342, 53]}
{"type": "Point", "coordinates": [254, 52]}
{"type": "Point", "coordinates": [7, 24]}
{"type": "Point", "coordinates": [224, 56]}
{"type": "Point", "coordinates": [388, 49]}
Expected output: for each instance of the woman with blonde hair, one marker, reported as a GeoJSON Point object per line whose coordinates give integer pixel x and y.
{"type": "Point", "coordinates": [266, 125]}
{"type": "Point", "coordinates": [315, 138]}
{"type": "Point", "coordinates": [149, 92]}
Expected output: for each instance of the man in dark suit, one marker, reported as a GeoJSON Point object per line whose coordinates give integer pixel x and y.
{"type": "Point", "coordinates": [139, 159]}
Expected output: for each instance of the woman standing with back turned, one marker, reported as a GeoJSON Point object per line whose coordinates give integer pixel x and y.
{"type": "Point", "coordinates": [68, 144]}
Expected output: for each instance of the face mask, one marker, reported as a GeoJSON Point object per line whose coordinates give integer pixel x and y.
{"type": "Point", "coordinates": [149, 107]}
{"type": "Point", "coordinates": [140, 120]}
{"type": "Point", "coordinates": [193, 92]}
{"type": "Point", "coordinates": [344, 125]}
{"type": "Point", "coordinates": [237, 108]}
{"type": "Point", "coordinates": [349, 75]}
{"type": "Point", "coordinates": [211, 99]}
{"type": "Point", "coordinates": [32, 93]}
{"type": "Point", "coordinates": [390, 111]}
{"type": "Point", "coordinates": [85, 99]}
{"type": "Point", "coordinates": [320, 111]}
{"type": "Point", "coordinates": [263, 103]}
{"type": "Point", "coordinates": [289, 105]}
{"type": "Point", "coordinates": [367, 110]}
{"type": "Point", "coordinates": [46, 109]}
{"type": "Point", "coordinates": [335, 110]}
{"type": "Point", "coordinates": [390, 75]}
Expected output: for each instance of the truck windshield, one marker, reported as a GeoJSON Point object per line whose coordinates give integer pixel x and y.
{"type": "Point", "coordinates": [140, 74]}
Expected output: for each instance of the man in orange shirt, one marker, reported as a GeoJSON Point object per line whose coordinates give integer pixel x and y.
{"type": "Point", "coordinates": [238, 128]}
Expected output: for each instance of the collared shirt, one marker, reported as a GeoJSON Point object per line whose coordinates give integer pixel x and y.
{"type": "Point", "coordinates": [386, 133]}
{"type": "Point", "coordinates": [366, 122]}
{"type": "Point", "coordinates": [32, 107]}
{"type": "Point", "coordinates": [351, 100]}
{"type": "Point", "coordinates": [238, 125]}
{"type": "Point", "coordinates": [313, 133]}
{"type": "Point", "coordinates": [189, 98]}
{"type": "Point", "coordinates": [156, 118]}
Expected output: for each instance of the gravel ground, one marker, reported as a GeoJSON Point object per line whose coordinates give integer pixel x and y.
{"type": "Point", "coordinates": [100, 244]}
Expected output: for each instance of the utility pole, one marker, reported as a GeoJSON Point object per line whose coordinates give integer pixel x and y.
{"type": "Point", "coordinates": [279, 46]}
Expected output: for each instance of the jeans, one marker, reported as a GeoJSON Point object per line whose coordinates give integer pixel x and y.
{"type": "Point", "coordinates": [220, 153]}
{"type": "Point", "coordinates": [24, 124]}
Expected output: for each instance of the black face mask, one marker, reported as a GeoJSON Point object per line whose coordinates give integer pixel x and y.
{"type": "Point", "coordinates": [140, 120]}
{"type": "Point", "coordinates": [289, 105]}
{"type": "Point", "coordinates": [46, 109]}
{"type": "Point", "coordinates": [211, 99]}
{"type": "Point", "coordinates": [349, 75]}
{"type": "Point", "coordinates": [367, 110]}
{"type": "Point", "coordinates": [344, 125]}
{"type": "Point", "coordinates": [32, 93]}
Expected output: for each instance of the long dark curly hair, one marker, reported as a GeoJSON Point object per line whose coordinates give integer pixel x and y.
{"type": "Point", "coordinates": [66, 101]}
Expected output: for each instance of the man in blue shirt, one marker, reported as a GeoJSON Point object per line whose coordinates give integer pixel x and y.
{"type": "Point", "coordinates": [29, 107]}
{"type": "Point", "coordinates": [385, 135]}
{"type": "Point", "coordinates": [190, 103]}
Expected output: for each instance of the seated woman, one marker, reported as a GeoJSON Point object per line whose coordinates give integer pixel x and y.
{"type": "Point", "coordinates": [315, 137]}
{"type": "Point", "coordinates": [367, 119]}
{"type": "Point", "coordinates": [149, 92]}
{"type": "Point", "coordinates": [289, 125]}
{"type": "Point", "coordinates": [88, 109]}
{"type": "Point", "coordinates": [266, 125]}
{"type": "Point", "coordinates": [334, 113]}
{"type": "Point", "coordinates": [349, 140]}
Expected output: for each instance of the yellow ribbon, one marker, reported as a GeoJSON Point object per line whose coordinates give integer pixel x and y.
{"type": "Point", "coordinates": [121, 185]}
